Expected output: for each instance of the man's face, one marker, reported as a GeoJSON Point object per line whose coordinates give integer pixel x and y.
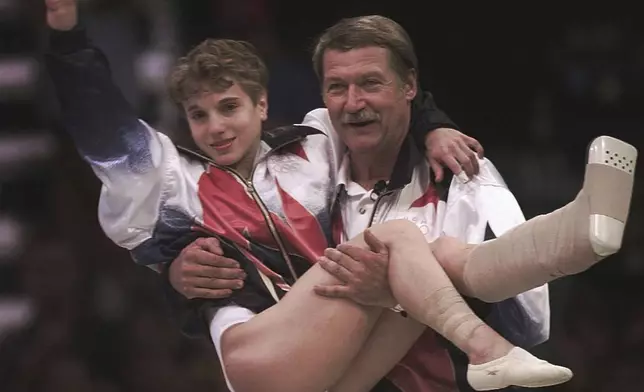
{"type": "Point", "coordinates": [368, 104]}
{"type": "Point", "coordinates": [226, 125]}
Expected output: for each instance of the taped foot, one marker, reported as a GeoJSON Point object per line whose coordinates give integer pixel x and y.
{"type": "Point", "coordinates": [517, 368]}
{"type": "Point", "coordinates": [564, 242]}
{"type": "Point", "coordinates": [609, 183]}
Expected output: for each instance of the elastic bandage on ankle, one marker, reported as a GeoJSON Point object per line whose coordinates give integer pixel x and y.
{"type": "Point", "coordinates": [564, 242]}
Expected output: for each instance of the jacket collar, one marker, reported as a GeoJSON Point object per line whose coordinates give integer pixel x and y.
{"type": "Point", "coordinates": [274, 138]}
{"type": "Point", "coordinates": [408, 158]}
{"type": "Point", "coordinates": [281, 136]}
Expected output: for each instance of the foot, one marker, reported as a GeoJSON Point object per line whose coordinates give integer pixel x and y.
{"type": "Point", "coordinates": [517, 368]}
{"type": "Point", "coordinates": [609, 183]}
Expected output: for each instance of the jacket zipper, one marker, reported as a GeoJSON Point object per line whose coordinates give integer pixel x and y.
{"type": "Point", "coordinates": [260, 203]}
{"type": "Point", "coordinates": [271, 225]}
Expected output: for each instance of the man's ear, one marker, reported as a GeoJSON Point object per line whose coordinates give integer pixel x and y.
{"type": "Point", "coordinates": [410, 85]}
{"type": "Point", "coordinates": [262, 105]}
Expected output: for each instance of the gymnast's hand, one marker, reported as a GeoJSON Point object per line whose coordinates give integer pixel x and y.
{"type": "Point", "coordinates": [61, 14]}
{"type": "Point", "coordinates": [363, 273]}
{"type": "Point", "coordinates": [201, 271]}
{"type": "Point", "coordinates": [451, 148]}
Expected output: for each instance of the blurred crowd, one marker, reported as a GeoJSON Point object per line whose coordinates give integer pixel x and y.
{"type": "Point", "coordinates": [99, 322]}
{"type": "Point", "coordinates": [533, 94]}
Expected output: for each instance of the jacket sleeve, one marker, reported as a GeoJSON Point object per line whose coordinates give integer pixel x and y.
{"type": "Point", "coordinates": [137, 166]}
{"type": "Point", "coordinates": [483, 209]}
{"type": "Point", "coordinates": [426, 116]}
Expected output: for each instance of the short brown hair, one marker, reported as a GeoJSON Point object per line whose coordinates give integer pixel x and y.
{"type": "Point", "coordinates": [364, 31]}
{"type": "Point", "coordinates": [215, 65]}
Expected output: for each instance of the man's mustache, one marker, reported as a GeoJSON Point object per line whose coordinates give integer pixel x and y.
{"type": "Point", "coordinates": [362, 116]}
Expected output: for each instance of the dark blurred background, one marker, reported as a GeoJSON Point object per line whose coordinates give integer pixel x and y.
{"type": "Point", "coordinates": [533, 85]}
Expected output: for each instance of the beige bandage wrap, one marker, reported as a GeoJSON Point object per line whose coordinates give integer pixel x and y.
{"type": "Point", "coordinates": [564, 242]}
{"type": "Point", "coordinates": [448, 314]}
{"type": "Point", "coordinates": [610, 190]}
{"type": "Point", "coordinates": [446, 310]}
{"type": "Point", "coordinates": [421, 285]}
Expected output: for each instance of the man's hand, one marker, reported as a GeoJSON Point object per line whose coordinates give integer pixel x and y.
{"type": "Point", "coordinates": [62, 14]}
{"type": "Point", "coordinates": [451, 148]}
{"type": "Point", "coordinates": [200, 271]}
{"type": "Point", "coordinates": [364, 273]}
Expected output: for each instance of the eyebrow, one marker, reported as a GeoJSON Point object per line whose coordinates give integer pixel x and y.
{"type": "Point", "coordinates": [369, 74]}
{"type": "Point", "coordinates": [373, 74]}
{"type": "Point", "coordinates": [193, 107]}
{"type": "Point", "coordinates": [228, 100]}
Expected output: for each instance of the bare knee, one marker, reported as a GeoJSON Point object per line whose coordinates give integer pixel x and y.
{"type": "Point", "coordinates": [397, 231]}
{"type": "Point", "coordinates": [452, 254]}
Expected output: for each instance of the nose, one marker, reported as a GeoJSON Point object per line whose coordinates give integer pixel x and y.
{"type": "Point", "coordinates": [354, 103]}
{"type": "Point", "coordinates": [216, 126]}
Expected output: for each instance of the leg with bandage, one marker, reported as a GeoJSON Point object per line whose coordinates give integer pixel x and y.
{"type": "Point", "coordinates": [564, 242]}
{"type": "Point", "coordinates": [424, 290]}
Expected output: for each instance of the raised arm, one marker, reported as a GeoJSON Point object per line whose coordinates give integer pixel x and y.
{"type": "Point", "coordinates": [101, 122]}
{"type": "Point", "coordinates": [136, 164]}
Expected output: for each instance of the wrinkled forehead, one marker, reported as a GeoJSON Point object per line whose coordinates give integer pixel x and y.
{"type": "Point", "coordinates": [355, 63]}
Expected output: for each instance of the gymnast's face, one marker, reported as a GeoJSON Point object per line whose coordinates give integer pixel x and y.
{"type": "Point", "coordinates": [369, 104]}
{"type": "Point", "coordinates": [227, 126]}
